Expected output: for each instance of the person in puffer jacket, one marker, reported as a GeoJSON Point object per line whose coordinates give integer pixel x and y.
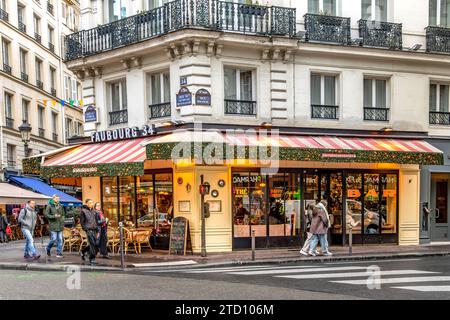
{"type": "Point", "coordinates": [89, 224]}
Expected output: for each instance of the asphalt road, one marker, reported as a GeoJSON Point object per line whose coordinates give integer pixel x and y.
{"type": "Point", "coordinates": [424, 278]}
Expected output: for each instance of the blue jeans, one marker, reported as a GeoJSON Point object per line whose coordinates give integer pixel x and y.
{"type": "Point", "coordinates": [30, 250]}
{"type": "Point", "coordinates": [322, 238]}
{"type": "Point", "coordinates": [56, 236]}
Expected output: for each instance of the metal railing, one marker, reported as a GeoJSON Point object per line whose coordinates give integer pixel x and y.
{"type": "Point", "coordinates": [118, 117]}
{"type": "Point", "coordinates": [437, 117]}
{"type": "Point", "coordinates": [323, 28]}
{"type": "Point", "coordinates": [438, 39]}
{"type": "Point", "coordinates": [39, 84]}
{"type": "Point", "coordinates": [4, 15]}
{"type": "Point", "coordinates": [51, 47]}
{"type": "Point", "coordinates": [22, 27]}
{"type": "Point", "coordinates": [160, 110]}
{"type": "Point", "coordinates": [9, 122]}
{"type": "Point", "coordinates": [24, 76]}
{"type": "Point", "coordinates": [37, 37]}
{"type": "Point", "coordinates": [179, 14]}
{"type": "Point", "coordinates": [324, 112]}
{"type": "Point", "coordinates": [41, 132]}
{"type": "Point", "coordinates": [49, 7]}
{"type": "Point", "coordinates": [7, 68]}
{"type": "Point", "coordinates": [376, 114]}
{"type": "Point", "coordinates": [55, 137]}
{"type": "Point", "coordinates": [240, 107]}
{"type": "Point", "coordinates": [381, 34]}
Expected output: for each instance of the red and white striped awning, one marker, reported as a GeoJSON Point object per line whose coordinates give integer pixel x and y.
{"type": "Point", "coordinates": [336, 143]}
{"type": "Point", "coordinates": [126, 151]}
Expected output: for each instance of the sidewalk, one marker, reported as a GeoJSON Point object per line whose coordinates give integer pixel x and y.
{"type": "Point", "coordinates": [11, 257]}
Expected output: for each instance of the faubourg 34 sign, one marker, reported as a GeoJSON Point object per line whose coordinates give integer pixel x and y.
{"type": "Point", "coordinates": [123, 133]}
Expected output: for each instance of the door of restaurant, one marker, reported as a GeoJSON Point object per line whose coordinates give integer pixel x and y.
{"type": "Point", "coordinates": [439, 225]}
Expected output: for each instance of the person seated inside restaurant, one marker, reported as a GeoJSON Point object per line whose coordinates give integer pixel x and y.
{"type": "Point", "coordinates": [241, 214]}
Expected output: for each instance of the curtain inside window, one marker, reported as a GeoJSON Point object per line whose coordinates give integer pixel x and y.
{"type": "Point", "coordinates": [445, 13]}
{"type": "Point", "coordinates": [381, 10]}
{"type": "Point", "coordinates": [313, 6]}
{"type": "Point", "coordinates": [41, 117]}
{"type": "Point", "coordinates": [380, 98]}
{"type": "Point", "coordinates": [329, 6]}
{"type": "Point", "coordinates": [156, 88]}
{"type": "Point", "coordinates": [433, 96]}
{"type": "Point", "coordinates": [124, 95]}
{"type": "Point", "coordinates": [166, 78]}
{"type": "Point", "coordinates": [315, 89]}
{"type": "Point", "coordinates": [443, 98]}
{"type": "Point", "coordinates": [432, 12]}
{"type": "Point", "coordinates": [5, 52]}
{"type": "Point", "coordinates": [366, 9]}
{"type": "Point", "coordinates": [368, 93]}
{"type": "Point", "coordinates": [246, 86]}
{"type": "Point", "coordinates": [115, 97]}
{"type": "Point", "coordinates": [8, 110]}
{"type": "Point", "coordinates": [330, 90]}
{"type": "Point", "coordinates": [230, 83]}
{"type": "Point", "coordinates": [23, 63]}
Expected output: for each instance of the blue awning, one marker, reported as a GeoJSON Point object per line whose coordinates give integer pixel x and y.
{"type": "Point", "coordinates": [39, 186]}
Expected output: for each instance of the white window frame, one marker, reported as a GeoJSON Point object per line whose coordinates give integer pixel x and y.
{"type": "Point", "coordinates": [54, 122]}
{"type": "Point", "coordinates": [438, 96]}
{"type": "Point", "coordinates": [6, 45]}
{"type": "Point", "coordinates": [374, 13]}
{"type": "Point", "coordinates": [438, 12]}
{"type": "Point", "coordinates": [9, 97]}
{"type": "Point", "coordinates": [73, 89]}
{"type": "Point", "coordinates": [23, 56]}
{"type": "Point", "coordinates": [21, 15]}
{"type": "Point", "coordinates": [240, 70]}
{"type": "Point", "coordinates": [322, 88]}
{"type": "Point", "coordinates": [38, 65]}
{"type": "Point", "coordinates": [121, 104]}
{"type": "Point", "coordinates": [69, 127]}
{"type": "Point", "coordinates": [37, 24]}
{"type": "Point", "coordinates": [67, 90]}
{"type": "Point", "coordinates": [321, 7]}
{"type": "Point", "coordinates": [41, 117]}
{"type": "Point", "coordinates": [52, 76]}
{"type": "Point", "coordinates": [51, 34]}
{"type": "Point", "coordinates": [374, 92]}
{"type": "Point", "coordinates": [11, 155]}
{"type": "Point", "coordinates": [162, 87]}
{"type": "Point", "coordinates": [25, 110]}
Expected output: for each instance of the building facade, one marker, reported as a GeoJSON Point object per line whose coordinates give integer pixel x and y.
{"type": "Point", "coordinates": [34, 78]}
{"type": "Point", "coordinates": [365, 82]}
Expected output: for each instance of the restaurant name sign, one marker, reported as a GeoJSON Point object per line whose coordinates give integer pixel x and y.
{"type": "Point", "coordinates": [123, 133]}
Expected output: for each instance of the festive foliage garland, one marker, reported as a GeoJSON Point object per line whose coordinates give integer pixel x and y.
{"type": "Point", "coordinates": [98, 170]}
{"type": "Point", "coordinates": [32, 165]}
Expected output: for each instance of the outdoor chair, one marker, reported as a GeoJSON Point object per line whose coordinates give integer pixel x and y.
{"type": "Point", "coordinates": [113, 239]}
{"type": "Point", "coordinates": [83, 240]}
{"type": "Point", "coordinates": [142, 239]}
{"type": "Point", "coordinates": [70, 240]}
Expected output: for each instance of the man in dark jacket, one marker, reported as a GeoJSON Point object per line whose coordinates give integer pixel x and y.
{"type": "Point", "coordinates": [88, 220]}
{"type": "Point", "coordinates": [54, 212]}
{"type": "Point", "coordinates": [3, 225]}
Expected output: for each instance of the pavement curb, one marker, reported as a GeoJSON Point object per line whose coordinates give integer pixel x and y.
{"type": "Point", "coordinates": [54, 267]}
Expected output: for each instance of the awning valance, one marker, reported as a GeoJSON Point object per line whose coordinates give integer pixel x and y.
{"type": "Point", "coordinates": [13, 195]}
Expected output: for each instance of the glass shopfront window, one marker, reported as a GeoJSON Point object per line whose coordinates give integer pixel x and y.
{"type": "Point", "coordinates": [353, 202]}
{"type": "Point", "coordinates": [110, 199]}
{"type": "Point", "coordinates": [127, 202]}
{"type": "Point", "coordinates": [388, 206]}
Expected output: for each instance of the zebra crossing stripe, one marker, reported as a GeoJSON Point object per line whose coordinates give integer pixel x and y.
{"type": "Point", "coordinates": [295, 270]}
{"type": "Point", "coordinates": [396, 280]}
{"type": "Point", "coordinates": [426, 288]}
{"type": "Point", "coordinates": [219, 269]}
{"type": "Point", "coordinates": [353, 274]}
{"type": "Point", "coordinates": [249, 269]}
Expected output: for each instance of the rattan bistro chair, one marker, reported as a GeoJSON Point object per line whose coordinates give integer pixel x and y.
{"type": "Point", "coordinates": [142, 239]}
{"type": "Point", "coordinates": [113, 239]}
{"type": "Point", "coordinates": [83, 240]}
{"type": "Point", "coordinates": [70, 241]}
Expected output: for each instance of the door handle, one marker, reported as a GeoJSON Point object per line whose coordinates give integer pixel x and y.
{"type": "Point", "coordinates": [437, 213]}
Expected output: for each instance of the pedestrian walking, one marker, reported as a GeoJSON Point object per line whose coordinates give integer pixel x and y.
{"type": "Point", "coordinates": [309, 235]}
{"type": "Point", "coordinates": [319, 229]}
{"type": "Point", "coordinates": [3, 226]}
{"type": "Point", "coordinates": [54, 212]}
{"type": "Point", "coordinates": [90, 226]}
{"type": "Point", "coordinates": [27, 221]}
{"type": "Point", "coordinates": [102, 222]}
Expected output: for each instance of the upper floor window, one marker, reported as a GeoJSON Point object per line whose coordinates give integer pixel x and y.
{"type": "Point", "coordinates": [439, 13]}
{"type": "Point", "coordinates": [41, 120]}
{"type": "Point", "coordinates": [23, 61]}
{"type": "Point", "coordinates": [3, 5]}
{"type": "Point", "coordinates": [374, 10]}
{"type": "Point", "coordinates": [25, 110]}
{"type": "Point", "coordinates": [5, 53]}
{"type": "Point", "coordinates": [11, 155]}
{"type": "Point", "coordinates": [439, 97]}
{"type": "Point", "coordinates": [78, 128]}
{"type": "Point", "coordinates": [376, 99]}
{"type": "Point", "coordinates": [52, 81]}
{"type": "Point", "coordinates": [116, 9]}
{"type": "Point", "coordinates": [323, 6]}
{"type": "Point", "coordinates": [239, 91]}
{"type": "Point", "coordinates": [51, 36]}
{"type": "Point", "coordinates": [38, 71]}
{"type": "Point", "coordinates": [160, 88]}
{"type": "Point", "coordinates": [152, 4]}
{"type": "Point", "coordinates": [9, 110]}
{"type": "Point", "coordinates": [69, 128]}
{"type": "Point", "coordinates": [37, 24]}
{"type": "Point", "coordinates": [324, 96]}
{"type": "Point", "coordinates": [119, 95]}
{"type": "Point", "coordinates": [54, 122]}
{"type": "Point", "coordinates": [21, 13]}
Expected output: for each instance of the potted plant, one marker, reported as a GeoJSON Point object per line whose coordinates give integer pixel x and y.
{"type": "Point", "coordinates": [250, 8]}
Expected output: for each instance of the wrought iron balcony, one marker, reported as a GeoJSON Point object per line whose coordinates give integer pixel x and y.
{"type": "Point", "coordinates": [41, 132]}
{"type": "Point", "coordinates": [381, 34]}
{"type": "Point", "coordinates": [39, 84]}
{"type": "Point", "coordinates": [55, 137]}
{"type": "Point", "coordinates": [240, 107]}
{"type": "Point", "coordinates": [324, 112]}
{"type": "Point", "coordinates": [323, 28]}
{"type": "Point", "coordinates": [22, 27]}
{"type": "Point", "coordinates": [376, 114]}
{"type": "Point", "coordinates": [438, 39]}
{"type": "Point", "coordinates": [437, 117]}
{"type": "Point", "coordinates": [9, 122]}
{"type": "Point", "coordinates": [118, 117]}
{"type": "Point", "coordinates": [7, 68]}
{"type": "Point", "coordinates": [4, 15]}
{"type": "Point", "coordinates": [38, 37]}
{"type": "Point", "coordinates": [53, 92]}
{"type": "Point", "coordinates": [180, 14]}
{"type": "Point", "coordinates": [51, 47]}
{"type": "Point", "coordinates": [24, 76]}
{"type": "Point", "coordinates": [160, 110]}
{"type": "Point", "coordinates": [49, 7]}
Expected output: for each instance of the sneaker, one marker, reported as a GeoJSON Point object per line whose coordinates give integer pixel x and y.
{"type": "Point", "coordinates": [82, 256]}
{"type": "Point", "coordinates": [36, 256]}
{"type": "Point", "coordinates": [48, 253]}
{"type": "Point", "coordinates": [328, 253]}
{"type": "Point", "coordinates": [106, 257]}
{"type": "Point", "coordinates": [92, 262]}
{"type": "Point", "coordinates": [303, 253]}
{"type": "Point", "coordinates": [317, 253]}
{"type": "Point", "coordinates": [26, 256]}
{"type": "Point", "coordinates": [59, 255]}
{"type": "Point", "coordinates": [312, 254]}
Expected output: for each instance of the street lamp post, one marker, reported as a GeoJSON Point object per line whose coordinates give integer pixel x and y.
{"type": "Point", "coordinates": [25, 133]}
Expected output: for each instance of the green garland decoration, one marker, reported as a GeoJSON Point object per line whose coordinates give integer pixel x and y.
{"type": "Point", "coordinates": [32, 165]}
{"type": "Point", "coordinates": [98, 170]}
{"type": "Point", "coordinates": [164, 152]}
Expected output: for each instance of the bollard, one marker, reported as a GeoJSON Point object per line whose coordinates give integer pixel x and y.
{"type": "Point", "coordinates": [253, 244]}
{"type": "Point", "coordinates": [350, 241]}
{"type": "Point", "coordinates": [122, 256]}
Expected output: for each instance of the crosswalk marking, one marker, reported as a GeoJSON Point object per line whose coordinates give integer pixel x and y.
{"type": "Point", "coordinates": [295, 270]}
{"type": "Point", "coordinates": [249, 269]}
{"type": "Point", "coordinates": [426, 288]}
{"type": "Point", "coordinates": [368, 262]}
{"type": "Point", "coordinates": [397, 280]}
{"type": "Point", "coordinates": [221, 269]}
{"type": "Point", "coordinates": [353, 274]}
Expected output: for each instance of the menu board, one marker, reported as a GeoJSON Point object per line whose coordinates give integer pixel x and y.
{"type": "Point", "coordinates": [180, 236]}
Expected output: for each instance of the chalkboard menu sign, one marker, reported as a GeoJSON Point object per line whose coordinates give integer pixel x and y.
{"type": "Point", "coordinates": [180, 236]}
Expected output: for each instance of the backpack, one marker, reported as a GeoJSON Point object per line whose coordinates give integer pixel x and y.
{"type": "Point", "coordinates": [20, 213]}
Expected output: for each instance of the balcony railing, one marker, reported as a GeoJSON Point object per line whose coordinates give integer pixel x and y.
{"type": "Point", "coordinates": [7, 68]}
{"type": "Point", "coordinates": [38, 37]}
{"type": "Point", "coordinates": [4, 15]}
{"type": "Point", "coordinates": [24, 76]}
{"type": "Point", "coordinates": [323, 28]}
{"type": "Point", "coordinates": [118, 117]}
{"type": "Point", "coordinates": [11, 163]}
{"type": "Point", "coordinates": [240, 107]}
{"type": "Point", "coordinates": [41, 132]}
{"type": "Point", "coordinates": [324, 112]}
{"type": "Point", "coordinates": [160, 110]}
{"type": "Point", "coordinates": [381, 34]}
{"type": "Point", "coordinates": [376, 114]}
{"type": "Point", "coordinates": [437, 117]}
{"type": "Point", "coordinates": [53, 92]}
{"type": "Point", "coordinates": [49, 7]}
{"type": "Point", "coordinates": [51, 47]}
{"type": "Point", "coordinates": [180, 14]}
{"type": "Point", "coordinates": [39, 84]}
{"type": "Point", "coordinates": [9, 122]}
{"type": "Point", "coordinates": [55, 137]}
{"type": "Point", "coordinates": [22, 27]}
{"type": "Point", "coordinates": [438, 39]}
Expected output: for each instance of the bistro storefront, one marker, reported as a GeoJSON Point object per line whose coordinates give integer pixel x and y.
{"type": "Point", "coordinates": [370, 184]}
